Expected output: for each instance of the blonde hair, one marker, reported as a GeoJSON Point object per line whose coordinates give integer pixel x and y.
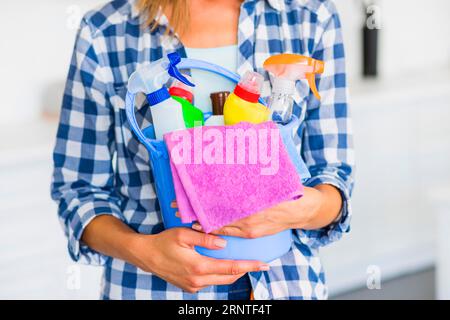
{"type": "Point", "coordinates": [177, 11]}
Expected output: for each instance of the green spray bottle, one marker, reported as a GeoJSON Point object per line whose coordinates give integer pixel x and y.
{"type": "Point", "coordinates": [193, 116]}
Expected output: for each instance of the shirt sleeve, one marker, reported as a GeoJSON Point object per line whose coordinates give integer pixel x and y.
{"type": "Point", "coordinates": [327, 139]}
{"type": "Point", "coordinates": [83, 180]}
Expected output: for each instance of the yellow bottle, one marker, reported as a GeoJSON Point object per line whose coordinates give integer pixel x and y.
{"type": "Point", "coordinates": [242, 104]}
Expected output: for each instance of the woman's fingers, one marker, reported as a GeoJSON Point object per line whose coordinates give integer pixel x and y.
{"type": "Point", "coordinates": [215, 279]}
{"type": "Point", "coordinates": [230, 231]}
{"type": "Point", "coordinates": [193, 238]}
{"type": "Point", "coordinates": [174, 205]}
{"type": "Point", "coordinates": [196, 226]}
{"type": "Point", "coordinates": [233, 231]}
{"type": "Point", "coordinates": [206, 271]}
{"type": "Point", "coordinates": [230, 267]}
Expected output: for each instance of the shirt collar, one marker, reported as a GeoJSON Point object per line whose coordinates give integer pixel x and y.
{"type": "Point", "coordinates": [279, 5]}
{"type": "Point", "coordinates": [276, 4]}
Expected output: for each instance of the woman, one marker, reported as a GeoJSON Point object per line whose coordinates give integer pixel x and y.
{"type": "Point", "coordinates": [106, 199]}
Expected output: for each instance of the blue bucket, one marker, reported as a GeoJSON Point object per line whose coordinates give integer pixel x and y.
{"type": "Point", "coordinates": [263, 249]}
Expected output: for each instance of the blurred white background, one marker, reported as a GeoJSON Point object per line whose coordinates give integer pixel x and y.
{"type": "Point", "coordinates": [401, 136]}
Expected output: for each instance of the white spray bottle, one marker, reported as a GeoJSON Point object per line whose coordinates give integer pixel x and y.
{"type": "Point", "coordinates": [167, 113]}
{"type": "Point", "coordinates": [287, 69]}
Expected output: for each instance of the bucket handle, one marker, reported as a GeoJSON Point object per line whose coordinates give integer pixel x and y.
{"type": "Point", "coordinates": [184, 64]}
{"type": "Point", "coordinates": [203, 65]}
{"type": "Point", "coordinates": [129, 109]}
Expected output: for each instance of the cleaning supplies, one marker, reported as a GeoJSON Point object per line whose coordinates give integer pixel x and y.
{"type": "Point", "coordinates": [217, 101]}
{"type": "Point", "coordinates": [242, 104]}
{"type": "Point", "coordinates": [183, 94]}
{"type": "Point", "coordinates": [286, 131]}
{"type": "Point", "coordinates": [182, 90]}
{"type": "Point", "coordinates": [167, 113]}
{"type": "Point", "coordinates": [265, 248]}
{"type": "Point", "coordinates": [287, 69]}
{"type": "Point", "coordinates": [193, 116]}
{"type": "Point", "coordinates": [281, 102]}
{"type": "Point", "coordinates": [228, 185]}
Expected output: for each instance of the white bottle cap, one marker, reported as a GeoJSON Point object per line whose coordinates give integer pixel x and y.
{"type": "Point", "coordinates": [283, 86]}
{"type": "Point", "coordinates": [252, 81]}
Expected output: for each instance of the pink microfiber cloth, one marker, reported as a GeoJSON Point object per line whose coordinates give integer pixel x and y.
{"type": "Point", "coordinates": [225, 173]}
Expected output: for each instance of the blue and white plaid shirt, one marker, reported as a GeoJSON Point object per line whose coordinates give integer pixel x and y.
{"type": "Point", "coordinates": [101, 168]}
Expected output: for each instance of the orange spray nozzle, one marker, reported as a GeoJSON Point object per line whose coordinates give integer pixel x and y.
{"type": "Point", "coordinates": [295, 67]}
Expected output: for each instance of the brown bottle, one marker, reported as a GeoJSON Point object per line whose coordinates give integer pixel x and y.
{"type": "Point", "coordinates": [218, 101]}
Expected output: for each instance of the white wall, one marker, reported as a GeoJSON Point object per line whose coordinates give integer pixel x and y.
{"type": "Point", "coordinates": [402, 152]}
{"type": "Point", "coordinates": [414, 35]}
{"type": "Point", "coordinates": [37, 38]}
{"type": "Point", "coordinates": [34, 263]}
{"type": "Point", "coordinates": [401, 141]}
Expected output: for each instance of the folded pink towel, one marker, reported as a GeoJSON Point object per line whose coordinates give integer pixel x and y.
{"type": "Point", "coordinates": [223, 174]}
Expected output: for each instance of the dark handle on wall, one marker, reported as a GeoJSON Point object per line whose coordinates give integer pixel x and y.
{"type": "Point", "coordinates": [370, 52]}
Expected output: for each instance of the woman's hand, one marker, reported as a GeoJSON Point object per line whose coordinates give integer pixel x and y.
{"type": "Point", "coordinates": [171, 256]}
{"type": "Point", "coordinates": [318, 207]}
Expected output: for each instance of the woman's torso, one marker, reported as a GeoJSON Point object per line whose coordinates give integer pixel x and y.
{"type": "Point", "coordinates": [263, 31]}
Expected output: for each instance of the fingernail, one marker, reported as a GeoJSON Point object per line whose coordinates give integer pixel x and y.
{"type": "Point", "coordinates": [197, 227]}
{"type": "Point", "coordinates": [221, 243]}
{"type": "Point", "coordinates": [264, 267]}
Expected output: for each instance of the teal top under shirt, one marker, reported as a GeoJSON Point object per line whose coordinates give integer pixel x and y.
{"type": "Point", "coordinates": [207, 82]}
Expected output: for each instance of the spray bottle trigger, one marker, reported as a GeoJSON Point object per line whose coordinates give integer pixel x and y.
{"type": "Point", "coordinates": [174, 59]}
{"type": "Point", "coordinates": [318, 67]}
{"type": "Point", "coordinates": [312, 84]}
